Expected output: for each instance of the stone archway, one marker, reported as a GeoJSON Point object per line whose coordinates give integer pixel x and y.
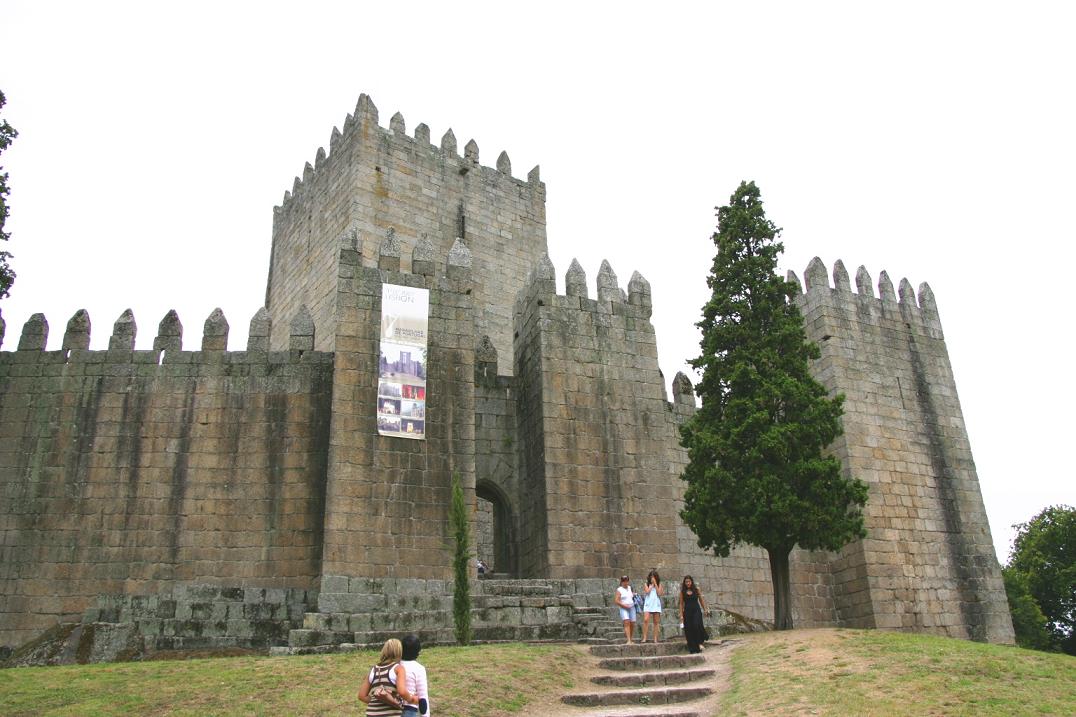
{"type": "Point", "coordinates": [495, 534]}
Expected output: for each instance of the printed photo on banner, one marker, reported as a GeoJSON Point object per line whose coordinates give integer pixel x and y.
{"type": "Point", "coordinates": [401, 390]}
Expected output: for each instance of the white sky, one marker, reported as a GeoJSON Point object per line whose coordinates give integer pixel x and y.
{"type": "Point", "coordinates": [933, 140]}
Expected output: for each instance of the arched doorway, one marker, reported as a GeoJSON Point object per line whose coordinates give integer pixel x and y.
{"type": "Point", "coordinates": [495, 530]}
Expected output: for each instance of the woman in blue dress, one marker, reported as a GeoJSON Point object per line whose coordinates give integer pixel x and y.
{"type": "Point", "coordinates": [652, 593]}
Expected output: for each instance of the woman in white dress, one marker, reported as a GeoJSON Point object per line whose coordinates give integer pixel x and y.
{"type": "Point", "coordinates": [625, 600]}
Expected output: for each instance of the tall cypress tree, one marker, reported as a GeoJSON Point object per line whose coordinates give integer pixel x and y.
{"type": "Point", "coordinates": [461, 564]}
{"type": "Point", "coordinates": [757, 469]}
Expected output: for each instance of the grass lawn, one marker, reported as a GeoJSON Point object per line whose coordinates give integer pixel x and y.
{"type": "Point", "coordinates": [871, 672]}
{"type": "Point", "coordinates": [469, 682]}
{"type": "Point", "coordinates": [801, 672]}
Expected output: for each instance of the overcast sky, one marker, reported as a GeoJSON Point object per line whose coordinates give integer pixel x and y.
{"type": "Point", "coordinates": [932, 140]}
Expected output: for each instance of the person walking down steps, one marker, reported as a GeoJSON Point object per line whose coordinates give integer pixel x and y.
{"type": "Point", "coordinates": [691, 610]}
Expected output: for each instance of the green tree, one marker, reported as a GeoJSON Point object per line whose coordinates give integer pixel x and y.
{"type": "Point", "coordinates": [7, 276]}
{"type": "Point", "coordinates": [1028, 622]}
{"type": "Point", "coordinates": [461, 564]}
{"type": "Point", "coordinates": [757, 472]}
{"type": "Point", "coordinates": [1043, 561]}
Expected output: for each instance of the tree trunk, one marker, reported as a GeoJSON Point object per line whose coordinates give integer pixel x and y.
{"type": "Point", "coordinates": [782, 588]}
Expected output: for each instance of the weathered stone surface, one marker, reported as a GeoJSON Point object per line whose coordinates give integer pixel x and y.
{"type": "Point", "coordinates": [77, 335]}
{"type": "Point", "coordinates": [575, 281]}
{"type": "Point", "coordinates": [169, 333]}
{"type": "Point", "coordinates": [123, 332]}
{"type": "Point", "coordinates": [302, 330]}
{"type": "Point", "coordinates": [459, 261]}
{"type": "Point", "coordinates": [35, 332]}
{"type": "Point", "coordinates": [259, 332]}
{"type": "Point", "coordinates": [215, 332]}
{"type": "Point", "coordinates": [388, 256]}
{"type": "Point", "coordinates": [423, 258]}
{"type": "Point", "coordinates": [608, 289]}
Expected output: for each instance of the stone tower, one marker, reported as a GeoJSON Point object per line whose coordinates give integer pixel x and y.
{"type": "Point", "coordinates": [375, 179]}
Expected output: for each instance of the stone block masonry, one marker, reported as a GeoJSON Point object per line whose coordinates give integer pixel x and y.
{"type": "Point", "coordinates": [598, 430]}
{"type": "Point", "coordinates": [126, 472]}
{"type": "Point", "coordinates": [387, 498]}
{"type": "Point", "coordinates": [171, 499]}
{"type": "Point", "coordinates": [928, 560]}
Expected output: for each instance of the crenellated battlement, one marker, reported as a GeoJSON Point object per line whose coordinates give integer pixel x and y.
{"type": "Point", "coordinates": [423, 257]}
{"type": "Point", "coordinates": [919, 307]}
{"type": "Point", "coordinates": [169, 338]}
{"type": "Point", "coordinates": [362, 130]}
{"type": "Point", "coordinates": [611, 298]}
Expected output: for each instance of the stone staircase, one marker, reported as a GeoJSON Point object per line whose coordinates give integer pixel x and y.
{"type": "Point", "coordinates": [598, 625]}
{"type": "Point", "coordinates": [647, 680]}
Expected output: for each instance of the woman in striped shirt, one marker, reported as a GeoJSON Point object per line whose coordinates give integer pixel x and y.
{"type": "Point", "coordinates": [387, 678]}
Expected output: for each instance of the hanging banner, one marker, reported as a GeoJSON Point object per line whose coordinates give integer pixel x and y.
{"type": "Point", "coordinates": [401, 388]}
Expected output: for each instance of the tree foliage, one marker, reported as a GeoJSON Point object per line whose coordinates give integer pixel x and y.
{"type": "Point", "coordinates": [1028, 622]}
{"type": "Point", "coordinates": [461, 564]}
{"type": "Point", "coordinates": [757, 469]}
{"type": "Point", "coordinates": [1042, 571]}
{"type": "Point", "coordinates": [7, 134]}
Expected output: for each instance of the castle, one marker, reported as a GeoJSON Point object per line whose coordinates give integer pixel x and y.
{"type": "Point", "coordinates": [173, 498]}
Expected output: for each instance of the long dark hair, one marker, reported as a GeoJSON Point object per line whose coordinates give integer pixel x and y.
{"type": "Point", "coordinates": [683, 587]}
{"type": "Point", "coordinates": [657, 578]}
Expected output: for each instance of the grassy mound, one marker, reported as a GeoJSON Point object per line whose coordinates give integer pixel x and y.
{"type": "Point", "coordinates": [475, 681]}
{"type": "Point", "coordinates": [802, 672]}
{"type": "Point", "coordinates": [871, 672]}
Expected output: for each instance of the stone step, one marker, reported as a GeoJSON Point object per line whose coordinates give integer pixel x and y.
{"type": "Point", "coordinates": [312, 638]}
{"type": "Point", "coordinates": [376, 638]}
{"type": "Point", "coordinates": [651, 664]}
{"type": "Point", "coordinates": [595, 641]}
{"type": "Point", "coordinates": [602, 616]}
{"type": "Point", "coordinates": [639, 649]}
{"type": "Point", "coordinates": [647, 679]}
{"type": "Point", "coordinates": [521, 588]}
{"type": "Point", "coordinates": [591, 611]}
{"type": "Point", "coordinates": [655, 696]}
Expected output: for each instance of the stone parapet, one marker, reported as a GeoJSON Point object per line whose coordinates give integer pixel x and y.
{"type": "Point", "coordinates": [158, 467]}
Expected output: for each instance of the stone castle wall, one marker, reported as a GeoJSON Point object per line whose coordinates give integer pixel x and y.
{"type": "Point", "coordinates": [387, 498]}
{"type": "Point", "coordinates": [591, 372]}
{"type": "Point", "coordinates": [122, 472]}
{"type": "Point", "coordinates": [497, 476]}
{"type": "Point", "coordinates": [928, 561]}
{"type": "Point", "coordinates": [374, 179]}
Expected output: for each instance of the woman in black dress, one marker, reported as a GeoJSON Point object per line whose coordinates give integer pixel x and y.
{"type": "Point", "coordinates": [691, 609]}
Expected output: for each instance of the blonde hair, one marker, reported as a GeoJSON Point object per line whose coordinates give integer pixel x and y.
{"type": "Point", "coordinates": [391, 652]}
